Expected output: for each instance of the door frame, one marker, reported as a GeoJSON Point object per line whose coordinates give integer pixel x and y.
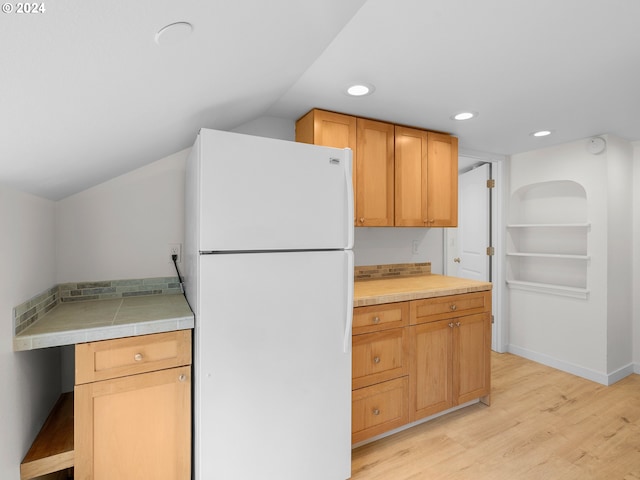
{"type": "Point", "coordinates": [498, 297]}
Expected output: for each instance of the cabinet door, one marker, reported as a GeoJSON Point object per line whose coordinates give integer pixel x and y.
{"type": "Point", "coordinates": [471, 357]}
{"type": "Point", "coordinates": [430, 368]}
{"type": "Point", "coordinates": [329, 129]}
{"type": "Point", "coordinates": [134, 427]}
{"type": "Point", "coordinates": [374, 180]}
{"type": "Point", "coordinates": [442, 180]}
{"type": "Point", "coordinates": [410, 177]}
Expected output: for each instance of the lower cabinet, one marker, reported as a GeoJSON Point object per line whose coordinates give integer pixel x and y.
{"type": "Point", "coordinates": [135, 421]}
{"type": "Point", "coordinates": [414, 359]}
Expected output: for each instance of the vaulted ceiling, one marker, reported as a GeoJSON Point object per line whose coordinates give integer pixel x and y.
{"type": "Point", "coordinates": [87, 94]}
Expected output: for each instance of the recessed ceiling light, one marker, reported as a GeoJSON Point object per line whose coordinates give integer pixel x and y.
{"type": "Point", "coordinates": [360, 89]}
{"type": "Point", "coordinates": [541, 133]}
{"type": "Point", "coordinates": [173, 33]}
{"type": "Point", "coordinates": [464, 116]}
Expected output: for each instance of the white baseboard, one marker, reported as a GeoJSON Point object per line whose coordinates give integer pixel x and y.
{"type": "Point", "coordinates": [593, 375]}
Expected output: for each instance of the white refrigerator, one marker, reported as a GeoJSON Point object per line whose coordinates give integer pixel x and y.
{"type": "Point", "coordinates": [269, 275]}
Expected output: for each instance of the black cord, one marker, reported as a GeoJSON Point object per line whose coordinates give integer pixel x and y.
{"type": "Point", "coordinates": [174, 257]}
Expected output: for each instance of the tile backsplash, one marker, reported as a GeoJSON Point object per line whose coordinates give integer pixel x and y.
{"type": "Point", "coordinates": [369, 272]}
{"type": "Point", "coordinates": [30, 311]}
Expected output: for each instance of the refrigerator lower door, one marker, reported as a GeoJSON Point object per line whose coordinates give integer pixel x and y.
{"type": "Point", "coordinates": [273, 366]}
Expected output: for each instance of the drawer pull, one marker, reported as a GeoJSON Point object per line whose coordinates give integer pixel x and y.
{"type": "Point", "coordinates": [453, 307]}
{"type": "Point", "coordinates": [376, 359]}
{"type": "Point", "coordinates": [138, 357]}
{"type": "Point", "coordinates": [376, 320]}
{"type": "Point", "coordinates": [376, 411]}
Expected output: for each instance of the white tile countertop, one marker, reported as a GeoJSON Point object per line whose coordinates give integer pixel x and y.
{"type": "Point", "coordinates": [87, 321]}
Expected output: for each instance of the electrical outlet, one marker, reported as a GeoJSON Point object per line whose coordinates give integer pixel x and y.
{"type": "Point", "coordinates": [414, 247]}
{"type": "Point", "coordinates": [175, 249]}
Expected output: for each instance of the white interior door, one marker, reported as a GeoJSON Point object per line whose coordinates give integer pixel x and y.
{"type": "Point", "coordinates": [474, 229]}
{"type": "Point", "coordinates": [467, 245]}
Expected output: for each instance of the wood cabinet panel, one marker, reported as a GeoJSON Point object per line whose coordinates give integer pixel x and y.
{"type": "Point", "coordinates": [379, 356]}
{"type": "Point", "coordinates": [471, 358]}
{"type": "Point", "coordinates": [410, 177]}
{"type": "Point", "coordinates": [134, 427]}
{"type": "Point", "coordinates": [431, 388]}
{"type": "Point", "coordinates": [449, 306]}
{"type": "Point", "coordinates": [380, 317]}
{"type": "Point", "coordinates": [375, 173]}
{"type": "Point", "coordinates": [378, 409]}
{"type": "Point", "coordinates": [442, 180]}
{"type": "Point", "coordinates": [128, 356]}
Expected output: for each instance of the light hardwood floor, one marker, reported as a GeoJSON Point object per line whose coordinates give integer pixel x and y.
{"type": "Point", "coordinates": [542, 424]}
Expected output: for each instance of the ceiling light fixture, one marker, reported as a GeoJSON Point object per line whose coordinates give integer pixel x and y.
{"type": "Point", "coordinates": [464, 116]}
{"type": "Point", "coordinates": [173, 33]}
{"type": "Point", "coordinates": [360, 89]}
{"type": "Point", "coordinates": [541, 133]}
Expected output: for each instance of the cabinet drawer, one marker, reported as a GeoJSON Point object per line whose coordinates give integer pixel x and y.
{"type": "Point", "coordinates": [380, 317]}
{"type": "Point", "coordinates": [132, 355]}
{"type": "Point", "coordinates": [379, 356]}
{"type": "Point", "coordinates": [379, 408]}
{"type": "Point", "coordinates": [450, 306]}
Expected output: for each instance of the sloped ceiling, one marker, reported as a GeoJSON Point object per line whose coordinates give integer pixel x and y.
{"type": "Point", "coordinates": [86, 94]}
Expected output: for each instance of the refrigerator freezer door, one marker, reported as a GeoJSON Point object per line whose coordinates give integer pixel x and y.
{"type": "Point", "coordinates": [266, 194]}
{"type": "Point", "coordinates": [273, 382]}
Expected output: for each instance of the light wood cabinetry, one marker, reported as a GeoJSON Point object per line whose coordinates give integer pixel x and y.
{"type": "Point", "coordinates": [380, 368]}
{"type": "Point", "coordinates": [133, 407]}
{"type": "Point", "coordinates": [442, 180]}
{"type": "Point", "coordinates": [450, 352]}
{"type": "Point", "coordinates": [404, 177]}
{"type": "Point", "coordinates": [416, 358]}
{"type": "Point", "coordinates": [375, 173]}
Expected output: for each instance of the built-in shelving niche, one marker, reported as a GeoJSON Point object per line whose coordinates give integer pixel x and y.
{"type": "Point", "coordinates": [547, 248]}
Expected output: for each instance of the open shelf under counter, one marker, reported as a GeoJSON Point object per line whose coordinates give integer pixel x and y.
{"type": "Point", "coordinates": [549, 255]}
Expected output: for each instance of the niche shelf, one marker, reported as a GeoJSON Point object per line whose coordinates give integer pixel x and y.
{"type": "Point", "coordinates": [547, 239]}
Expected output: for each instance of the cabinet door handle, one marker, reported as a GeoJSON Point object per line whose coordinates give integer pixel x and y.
{"type": "Point", "coordinates": [361, 219]}
{"type": "Point", "coordinates": [453, 307]}
{"type": "Point", "coordinates": [376, 359]}
{"type": "Point", "coordinates": [138, 357]}
{"type": "Point", "coordinates": [451, 325]}
{"type": "Point", "coordinates": [376, 411]}
{"type": "Point", "coordinates": [376, 320]}
{"type": "Point", "coordinates": [458, 324]}
{"type": "Point", "coordinates": [182, 377]}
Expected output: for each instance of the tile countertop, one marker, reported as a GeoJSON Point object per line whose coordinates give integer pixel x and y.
{"type": "Point", "coordinates": [402, 289]}
{"type": "Point", "coordinates": [79, 322]}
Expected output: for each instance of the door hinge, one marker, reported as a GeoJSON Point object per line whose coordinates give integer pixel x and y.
{"type": "Point", "coordinates": [491, 251]}
{"type": "Point", "coordinates": [491, 183]}
{"type": "Point", "coordinates": [493, 319]}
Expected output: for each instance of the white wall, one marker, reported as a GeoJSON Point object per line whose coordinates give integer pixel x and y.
{"type": "Point", "coordinates": [587, 337]}
{"type": "Point", "coordinates": [30, 380]}
{"type": "Point", "coordinates": [121, 228]}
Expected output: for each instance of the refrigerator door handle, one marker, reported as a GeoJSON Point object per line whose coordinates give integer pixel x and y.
{"type": "Point", "coordinates": [349, 317]}
{"type": "Point", "coordinates": [350, 201]}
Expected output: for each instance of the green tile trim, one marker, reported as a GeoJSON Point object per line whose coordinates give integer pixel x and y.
{"type": "Point", "coordinates": [30, 311]}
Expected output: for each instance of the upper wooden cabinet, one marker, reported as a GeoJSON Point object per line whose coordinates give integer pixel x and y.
{"type": "Point", "coordinates": [404, 177]}
{"type": "Point", "coordinates": [411, 177]}
{"type": "Point", "coordinates": [442, 180]}
{"type": "Point", "coordinates": [374, 180]}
